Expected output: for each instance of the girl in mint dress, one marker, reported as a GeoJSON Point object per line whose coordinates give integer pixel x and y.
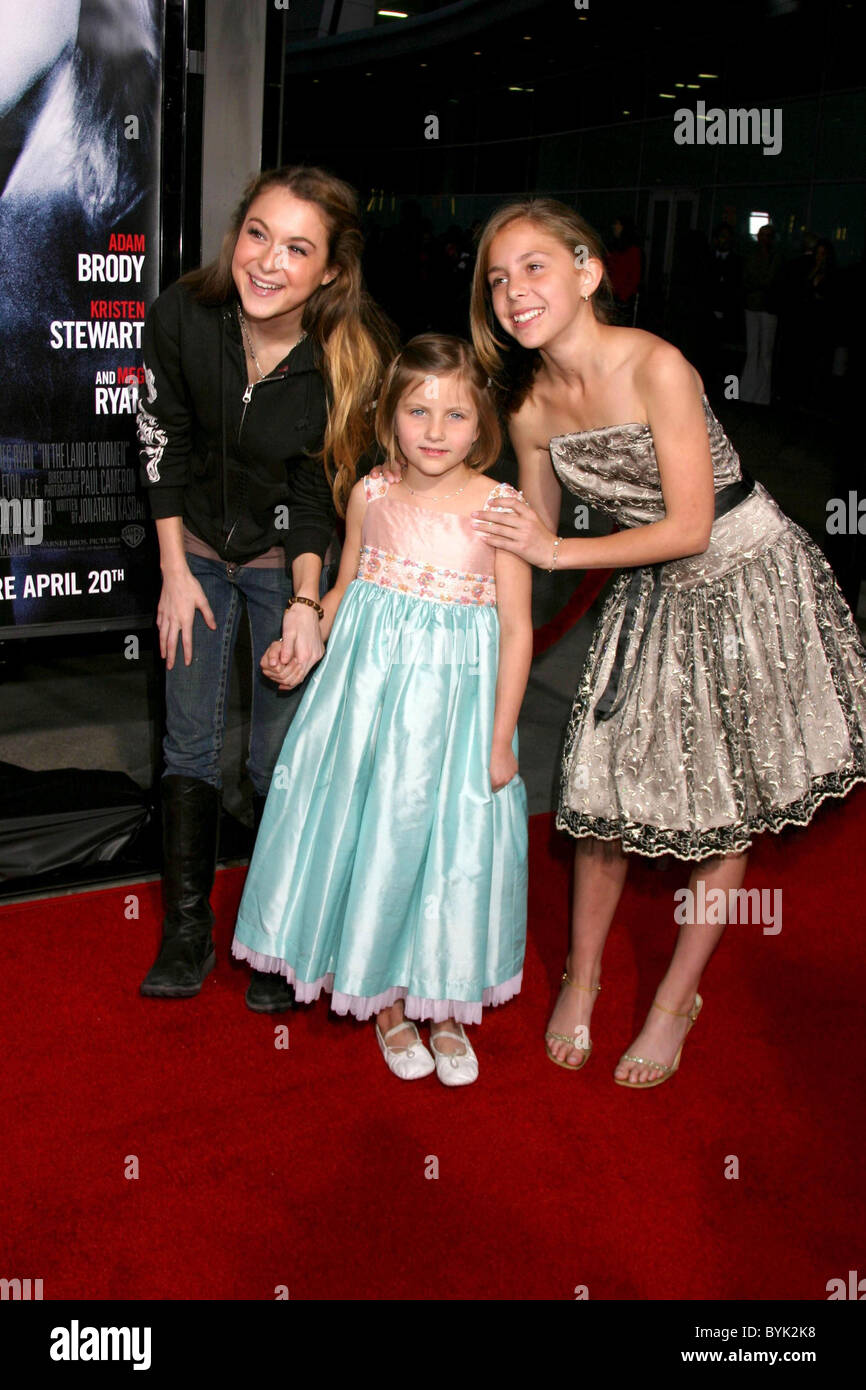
{"type": "Point", "coordinates": [390, 869]}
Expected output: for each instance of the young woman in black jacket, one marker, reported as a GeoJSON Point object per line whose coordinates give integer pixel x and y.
{"type": "Point", "coordinates": [260, 373]}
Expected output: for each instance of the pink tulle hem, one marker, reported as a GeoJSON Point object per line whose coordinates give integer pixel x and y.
{"type": "Point", "coordinates": [363, 1007]}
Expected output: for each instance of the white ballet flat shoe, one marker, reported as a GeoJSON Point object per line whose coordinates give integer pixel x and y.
{"type": "Point", "coordinates": [452, 1068]}
{"type": "Point", "coordinates": [409, 1063]}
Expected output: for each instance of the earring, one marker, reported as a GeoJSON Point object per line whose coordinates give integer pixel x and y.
{"type": "Point", "coordinates": [585, 298]}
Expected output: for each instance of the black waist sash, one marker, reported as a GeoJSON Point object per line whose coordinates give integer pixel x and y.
{"type": "Point", "coordinates": [611, 698]}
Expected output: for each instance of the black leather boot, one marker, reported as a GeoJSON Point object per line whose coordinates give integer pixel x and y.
{"type": "Point", "coordinates": [190, 831]}
{"type": "Point", "coordinates": [266, 993]}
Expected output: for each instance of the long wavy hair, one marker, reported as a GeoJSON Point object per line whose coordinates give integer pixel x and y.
{"type": "Point", "coordinates": [428, 357]}
{"type": "Point", "coordinates": [510, 366]}
{"type": "Point", "coordinates": [355, 337]}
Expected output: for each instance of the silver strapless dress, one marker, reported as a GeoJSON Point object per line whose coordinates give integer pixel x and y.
{"type": "Point", "coordinates": [724, 693]}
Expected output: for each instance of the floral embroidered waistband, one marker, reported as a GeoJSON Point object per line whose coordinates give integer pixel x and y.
{"type": "Point", "coordinates": [423, 580]}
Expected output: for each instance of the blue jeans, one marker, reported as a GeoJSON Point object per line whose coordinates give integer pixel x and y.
{"type": "Point", "coordinates": [195, 695]}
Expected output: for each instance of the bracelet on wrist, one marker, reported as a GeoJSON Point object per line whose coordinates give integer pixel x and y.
{"type": "Point", "coordinates": [556, 545]}
{"type": "Point", "coordinates": [311, 603]}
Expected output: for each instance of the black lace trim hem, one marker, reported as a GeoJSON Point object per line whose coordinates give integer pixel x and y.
{"type": "Point", "coordinates": [653, 841]}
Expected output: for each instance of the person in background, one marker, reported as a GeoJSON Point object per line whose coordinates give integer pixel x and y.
{"type": "Point", "coordinates": [726, 302]}
{"type": "Point", "coordinates": [761, 279]}
{"type": "Point", "coordinates": [822, 317]}
{"type": "Point", "coordinates": [625, 266]}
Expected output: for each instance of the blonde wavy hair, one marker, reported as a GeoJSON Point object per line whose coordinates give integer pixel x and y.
{"type": "Point", "coordinates": [510, 366]}
{"type": "Point", "coordinates": [355, 337]}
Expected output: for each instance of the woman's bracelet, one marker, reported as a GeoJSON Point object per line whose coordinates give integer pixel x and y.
{"type": "Point", "coordinates": [299, 598]}
{"type": "Point", "coordinates": [556, 545]}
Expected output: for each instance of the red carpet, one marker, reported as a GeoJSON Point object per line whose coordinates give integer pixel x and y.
{"type": "Point", "coordinates": [305, 1167]}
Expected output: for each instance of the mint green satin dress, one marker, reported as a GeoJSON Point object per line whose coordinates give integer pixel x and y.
{"type": "Point", "coordinates": [385, 867]}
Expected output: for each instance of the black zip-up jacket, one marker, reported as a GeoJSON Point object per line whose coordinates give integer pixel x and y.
{"type": "Point", "coordinates": [233, 460]}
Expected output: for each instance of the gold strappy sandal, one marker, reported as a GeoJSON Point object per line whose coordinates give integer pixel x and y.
{"type": "Point", "coordinates": [565, 1037]}
{"type": "Point", "coordinates": [667, 1072]}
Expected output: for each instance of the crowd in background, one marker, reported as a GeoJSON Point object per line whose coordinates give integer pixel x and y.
{"type": "Point", "coordinates": [783, 326]}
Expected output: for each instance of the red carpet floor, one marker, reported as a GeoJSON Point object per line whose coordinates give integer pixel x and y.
{"type": "Point", "coordinates": [305, 1167]}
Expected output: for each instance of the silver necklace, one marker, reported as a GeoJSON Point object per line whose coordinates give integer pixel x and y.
{"type": "Point", "coordinates": [430, 496]}
{"type": "Point", "coordinates": [246, 332]}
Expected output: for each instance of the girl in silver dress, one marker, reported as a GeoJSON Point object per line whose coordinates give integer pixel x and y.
{"type": "Point", "coordinates": [724, 692]}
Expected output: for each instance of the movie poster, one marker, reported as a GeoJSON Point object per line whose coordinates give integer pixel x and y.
{"type": "Point", "coordinates": [80, 93]}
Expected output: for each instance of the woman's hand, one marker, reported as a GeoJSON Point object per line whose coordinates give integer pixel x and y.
{"type": "Point", "coordinates": [519, 530]}
{"type": "Point", "coordinates": [392, 471]}
{"type": "Point", "coordinates": [301, 646]}
{"type": "Point", "coordinates": [272, 666]}
{"type": "Point", "coordinates": [503, 766]}
{"type": "Point", "coordinates": [181, 596]}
